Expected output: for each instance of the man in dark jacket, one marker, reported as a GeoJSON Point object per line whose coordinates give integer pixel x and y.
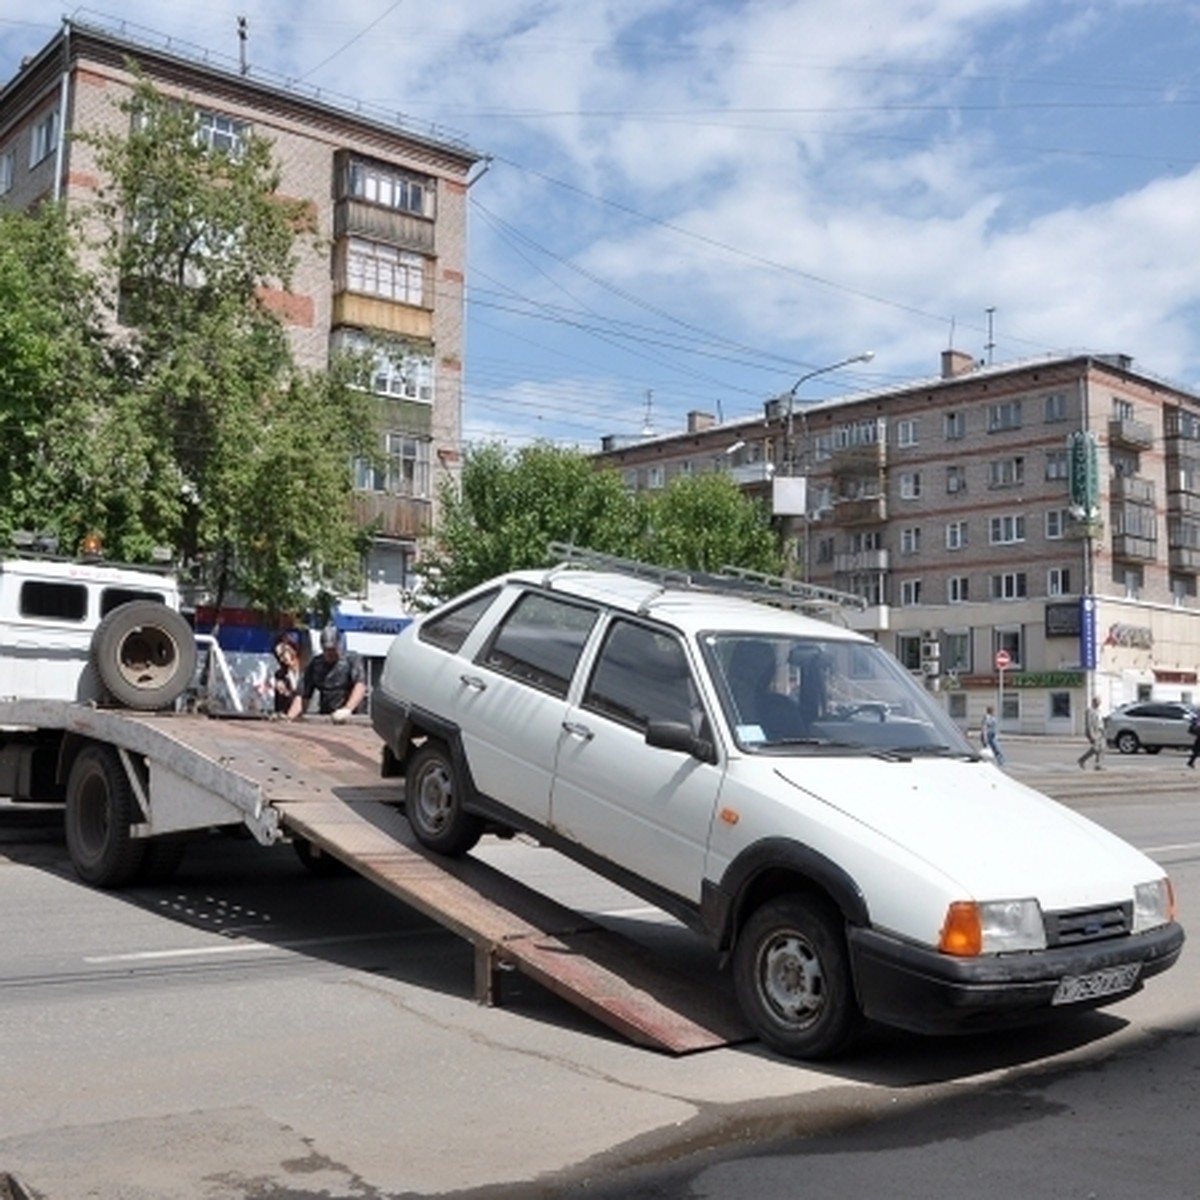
{"type": "Point", "coordinates": [337, 679]}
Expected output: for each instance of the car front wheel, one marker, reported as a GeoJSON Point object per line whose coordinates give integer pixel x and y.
{"type": "Point", "coordinates": [433, 803]}
{"type": "Point", "coordinates": [791, 973]}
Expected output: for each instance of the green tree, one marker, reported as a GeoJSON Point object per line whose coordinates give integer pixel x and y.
{"type": "Point", "coordinates": [230, 453]}
{"type": "Point", "coordinates": [55, 373]}
{"type": "Point", "coordinates": [706, 522]}
{"type": "Point", "coordinates": [511, 506]}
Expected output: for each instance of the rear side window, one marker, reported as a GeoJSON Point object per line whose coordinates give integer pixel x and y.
{"type": "Point", "coordinates": [57, 601]}
{"type": "Point", "coordinates": [112, 598]}
{"type": "Point", "coordinates": [540, 642]}
{"type": "Point", "coordinates": [451, 628]}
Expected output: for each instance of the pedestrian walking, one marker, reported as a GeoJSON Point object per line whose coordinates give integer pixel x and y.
{"type": "Point", "coordinates": [1093, 728]}
{"type": "Point", "coordinates": [989, 735]}
{"type": "Point", "coordinates": [1194, 730]}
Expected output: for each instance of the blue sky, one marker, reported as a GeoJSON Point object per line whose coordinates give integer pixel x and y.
{"type": "Point", "coordinates": [689, 205]}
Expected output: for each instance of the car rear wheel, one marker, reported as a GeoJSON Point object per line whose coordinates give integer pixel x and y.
{"type": "Point", "coordinates": [433, 803]}
{"type": "Point", "coordinates": [791, 973]}
{"type": "Point", "coordinates": [1127, 742]}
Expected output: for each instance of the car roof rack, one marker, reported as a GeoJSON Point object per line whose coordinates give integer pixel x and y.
{"type": "Point", "coordinates": [778, 590]}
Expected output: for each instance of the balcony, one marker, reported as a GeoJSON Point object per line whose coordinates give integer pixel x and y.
{"type": "Point", "coordinates": [1134, 489]}
{"type": "Point", "coordinates": [871, 510]}
{"type": "Point", "coordinates": [1134, 435]}
{"type": "Point", "coordinates": [1129, 547]}
{"type": "Point", "coordinates": [1184, 503]}
{"type": "Point", "coordinates": [1184, 559]}
{"type": "Point", "coordinates": [866, 456]}
{"type": "Point", "coordinates": [751, 473]}
{"type": "Point", "coordinates": [861, 560]}
{"type": "Point", "coordinates": [393, 516]}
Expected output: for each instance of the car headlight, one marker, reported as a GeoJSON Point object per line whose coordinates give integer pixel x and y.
{"type": "Point", "coordinates": [1153, 904]}
{"type": "Point", "coordinates": [992, 927]}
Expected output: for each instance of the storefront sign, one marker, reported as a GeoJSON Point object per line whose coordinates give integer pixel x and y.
{"type": "Point", "coordinates": [1046, 679]}
{"type": "Point", "coordinates": [1064, 619]}
{"type": "Point", "coordinates": [1133, 637]}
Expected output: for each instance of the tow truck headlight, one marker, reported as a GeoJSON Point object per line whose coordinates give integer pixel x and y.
{"type": "Point", "coordinates": [1153, 904]}
{"type": "Point", "coordinates": [992, 927]}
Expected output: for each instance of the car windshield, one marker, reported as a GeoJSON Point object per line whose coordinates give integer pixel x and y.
{"type": "Point", "coordinates": [803, 695]}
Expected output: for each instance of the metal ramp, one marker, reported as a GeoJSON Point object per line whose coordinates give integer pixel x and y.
{"type": "Point", "coordinates": [322, 782]}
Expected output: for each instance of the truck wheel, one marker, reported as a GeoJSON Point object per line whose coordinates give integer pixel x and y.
{"type": "Point", "coordinates": [791, 974]}
{"type": "Point", "coordinates": [145, 654]}
{"type": "Point", "coordinates": [433, 803]}
{"type": "Point", "coordinates": [100, 813]}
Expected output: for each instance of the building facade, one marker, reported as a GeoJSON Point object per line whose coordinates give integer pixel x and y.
{"type": "Point", "coordinates": [388, 258]}
{"type": "Point", "coordinates": [1025, 535]}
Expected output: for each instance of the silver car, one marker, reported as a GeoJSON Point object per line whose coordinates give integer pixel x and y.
{"type": "Point", "coordinates": [1149, 725]}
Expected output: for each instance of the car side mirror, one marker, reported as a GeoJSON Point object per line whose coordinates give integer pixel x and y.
{"type": "Point", "coordinates": [675, 735]}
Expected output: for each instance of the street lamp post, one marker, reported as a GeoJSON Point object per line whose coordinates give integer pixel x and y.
{"type": "Point", "coordinates": [789, 448]}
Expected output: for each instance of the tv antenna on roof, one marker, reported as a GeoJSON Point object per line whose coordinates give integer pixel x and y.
{"type": "Point", "coordinates": [242, 33]}
{"type": "Point", "coordinates": [648, 421]}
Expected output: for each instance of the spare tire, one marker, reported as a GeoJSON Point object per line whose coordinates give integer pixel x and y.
{"type": "Point", "coordinates": [145, 654]}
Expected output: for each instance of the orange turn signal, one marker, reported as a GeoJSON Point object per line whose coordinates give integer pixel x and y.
{"type": "Point", "coordinates": [962, 933]}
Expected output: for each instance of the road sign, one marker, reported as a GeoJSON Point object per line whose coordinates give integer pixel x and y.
{"type": "Point", "coordinates": [1003, 659]}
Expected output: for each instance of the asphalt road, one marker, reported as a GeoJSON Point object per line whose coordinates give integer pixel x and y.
{"type": "Point", "coordinates": [250, 1031]}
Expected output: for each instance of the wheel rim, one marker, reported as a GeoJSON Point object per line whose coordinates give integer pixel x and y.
{"type": "Point", "coordinates": [791, 980]}
{"type": "Point", "coordinates": [435, 797]}
{"type": "Point", "coordinates": [147, 658]}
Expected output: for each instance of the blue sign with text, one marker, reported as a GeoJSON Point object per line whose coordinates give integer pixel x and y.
{"type": "Point", "coordinates": [1087, 633]}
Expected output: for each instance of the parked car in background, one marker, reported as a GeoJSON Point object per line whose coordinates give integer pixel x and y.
{"type": "Point", "coordinates": [1150, 725]}
{"type": "Point", "coordinates": [781, 785]}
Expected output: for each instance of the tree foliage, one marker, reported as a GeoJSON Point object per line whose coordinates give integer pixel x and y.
{"type": "Point", "coordinates": [212, 440]}
{"type": "Point", "coordinates": [512, 505]}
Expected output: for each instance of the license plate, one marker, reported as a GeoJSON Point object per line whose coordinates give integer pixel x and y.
{"type": "Point", "coordinates": [1073, 988]}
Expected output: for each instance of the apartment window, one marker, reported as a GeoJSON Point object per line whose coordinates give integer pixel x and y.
{"type": "Point", "coordinates": [1056, 523]}
{"type": "Point", "coordinates": [1122, 410]}
{"type": "Point", "coordinates": [45, 138]}
{"type": "Point", "coordinates": [910, 540]}
{"type": "Point", "coordinates": [1011, 585]}
{"type": "Point", "coordinates": [822, 445]}
{"type": "Point", "coordinates": [956, 479]}
{"type": "Point", "coordinates": [822, 498]}
{"type": "Point", "coordinates": [906, 432]}
{"type": "Point", "coordinates": [397, 370]}
{"type": "Point", "coordinates": [910, 485]}
{"type": "Point", "coordinates": [956, 535]}
{"type": "Point", "coordinates": [1134, 582]}
{"type": "Point", "coordinates": [1003, 531]}
{"type": "Point", "coordinates": [1058, 581]}
{"type": "Point", "coordinates": [825, 550]}
{"type": "Point", "coordinates": [953, 426]}
{"type": "Point", "coordinates": [910, 593]}
{"type": "Point", "coordinates": [221, 134]}
{"type": "Point", "coordinates": [1055, 406]}
{"type": "Point", "coordinates": [1006, 472]}
{"type": "Point", "coordinates": [404, 470]}
{"type": "Point", "coordinates": [957, 589]}
{"type": "Point", "coordinates": [1009, 639]}
{"type": "Point", "coordinates": [377, 269]}
{"type": "Point", "coordinates": [391, 188]}
{"type": "Point", "coordinates": [908, 650]}
{"type": "Point", "coordinates": [656, 477]}
{"type": "Point", "coordinates": [865, 539]}
{"type": "Point", "coordinates": [956, 651]}
{"type": "Point", "coordinates": [1006, 415]}
{"type": "Point", "coordinates": [1056, 464]}
{"type": "Point", "coordinates": [8, 163]}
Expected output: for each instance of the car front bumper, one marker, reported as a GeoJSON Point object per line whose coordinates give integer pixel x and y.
{"type": "Point", "coordinates": [921, 990]}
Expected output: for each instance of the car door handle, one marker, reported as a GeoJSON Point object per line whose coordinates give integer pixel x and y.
{"type": "Point", "coordinates": [473, 682]}
{"type": "Point", "coordinates": [575, 729]}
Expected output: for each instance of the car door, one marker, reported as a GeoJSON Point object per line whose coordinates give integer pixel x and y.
{"type": "Point", "coordinates": [647, 809]}
{"type": "Point", "coordinates": [511, 701]}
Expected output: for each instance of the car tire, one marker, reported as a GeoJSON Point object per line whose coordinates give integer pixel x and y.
{"type": "Point", "coordinates": [1152, 749]}
{"type": "Point", "coordinates": [1127, 742]}
{"type": "Point", "coordinates": [145, 655]}
{"type": "Point", "coordinates": [100, 812]}
{"type": "Point", "coordinates": [791, 973]}
{"type": "Point", "coordinates": [433, 803]}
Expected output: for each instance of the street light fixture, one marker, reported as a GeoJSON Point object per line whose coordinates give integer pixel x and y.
{"type": "Point", "coordinates": [789, 442]}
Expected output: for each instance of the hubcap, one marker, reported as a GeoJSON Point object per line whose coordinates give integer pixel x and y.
{"type": "Point", "coordinates": [434, 797]}
{"type": "Point", "coordinates": [791, 978]}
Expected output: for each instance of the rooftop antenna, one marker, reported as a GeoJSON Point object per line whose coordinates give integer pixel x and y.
{"type": "Point", "coordinates": [990, 344]}
{"type": "Point", "coordinates": [648, 422]}
{"type": "Point", "coordinates": [241, 28]}
{"type": "Point", "coordinates": [951, 345]}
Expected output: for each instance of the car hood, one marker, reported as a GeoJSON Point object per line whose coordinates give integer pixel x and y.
{"type": "Point", "coordinates": [993, 836]}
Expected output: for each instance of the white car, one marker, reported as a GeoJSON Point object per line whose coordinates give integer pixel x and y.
{"type": "Point", "coordinates": [781, 785]}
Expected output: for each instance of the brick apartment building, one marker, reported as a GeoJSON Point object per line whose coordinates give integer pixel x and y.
{"type": "Point", "coordinates": [1045, 511]}
{"type": "Point", "coordinates": [390, 253]}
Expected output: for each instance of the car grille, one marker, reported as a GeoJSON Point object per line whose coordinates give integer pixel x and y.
{"type": "Point", "coordinates": [1088, 924]}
